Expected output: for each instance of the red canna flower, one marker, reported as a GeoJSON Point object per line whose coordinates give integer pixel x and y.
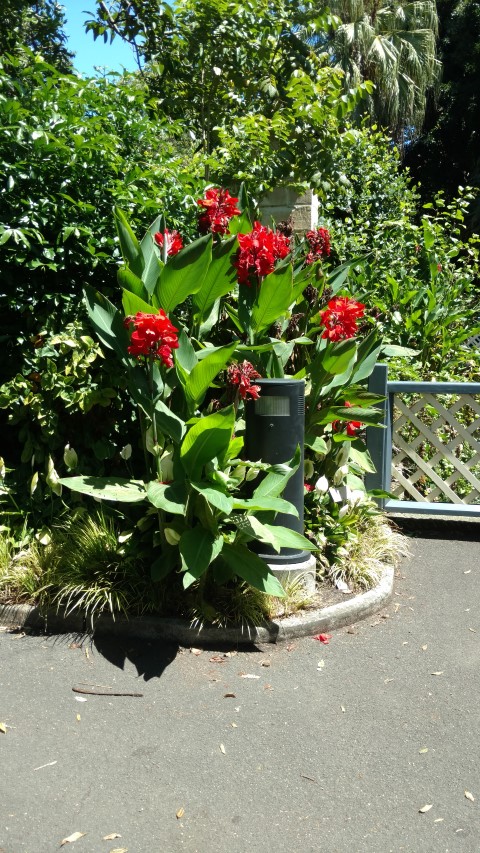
{"type": "Point", "coordinates": [258, 252]}
{"type": "Point", "coordinates": [219, 207]}
{"type": "Point", "coordinates": [308, 487]}
{"type": "Point", "coordinates": [173, 240]}
{"type": "Point", "coordinates": [153, 337]}
{"type": "Point", "coordinates": [319, 242]}
{"type": "Point", "coordinates": [350, 427]}
{"type": "Point", "coordinates": [340, 318]}
{"type": "Point", "coordinates": [240, 376]}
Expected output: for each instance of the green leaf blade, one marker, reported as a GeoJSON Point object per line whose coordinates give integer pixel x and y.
{"type": "Point", "coordinates": [252, 569]}
{"type": "Point", "coordinates": [107, 488]}
{"type": "Point", "coordinates": [183, 275]}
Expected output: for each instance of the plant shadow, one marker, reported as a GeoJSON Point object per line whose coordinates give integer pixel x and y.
{"type": "Point", "coordinates": [149, 657]}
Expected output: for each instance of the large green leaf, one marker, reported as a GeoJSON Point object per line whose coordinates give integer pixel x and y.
{"type": "Point", "coordinates": [205, 371]}
{"type": "Point", "coordinates": [252, 569]}
{"type": "Point", "coordinates": [130, 282]}
{"type": "Point", "coordinates": [131, 249]}
{"type": "Point", "coordinates": [368, 352]}
{"type": "Point", "coordinates": [338, 357]}
{"type": "Point", "coordinates": [315, 443]}
{"type": "Point", "coordinates": [183, 274]}
{"type": "Point", "coordinates": [337, 277]}
{"type": "Point", "coordinates": [265, 504]}
{"type": "Point", "coordinates": [215, 496]}
{"type": "Point", "coordinates": [286, 538]}
{"type": "Point", "coordinates": [170, 497]}
{"type": "Point", "coordinates": [368, 416]}
{"type": "Point", "coordinates": [198, 547]}
{"type": "Point", "coordinates": [151, 273]}
{"type": "Point", "coordinates": [132, 304]}
{"type": "Point", "coordinates": [251, 528]}
{"type": "Point", "coordinates": [360, 456]}
{"type": "Point", "coordinates": [274, 298]}
{"type": "Point", "coordinates": [107, 322]}
{"type": "Point", "coordinates": [168, 422]}
{"type": "Point", "coordinates": [185, 355]}
{"type": "Point", "coordinates": [107, 488]}
{"type": "Point", "coordinates": [152, 263]}
{"type": "Point", "coordinates": [274, 483]}
{"type": "Point", "coordinates": [208, 438]}
{"type": "Point", "coordinates": [219, 280]}
{"type": "Point", "coordinates": [241, 224]}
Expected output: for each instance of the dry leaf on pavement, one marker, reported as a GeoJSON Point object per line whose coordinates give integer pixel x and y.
{"type": "Point", "coordinates": [119, 850]}
{"type": "Point", "coordinates": [71, 838]}
{"type": "Point", "coordinates": [195, 652]}
{"type": "Point", "coordinates": [469, 796]}
{"type": "Point", "coordinates": [229, 696]}
{"type": "Point", "coordinates": [111, 836]}
{"type": "Point", "coordinates": [437, 673]}
{"type": "Point", "coordinates": [222, 749]}
{"type": "Point", "coordinates": [180, 813]}
{"type": "Point", "coordinates": [426, 808]}
{"type": "Point", "coordinates": [3, 728]}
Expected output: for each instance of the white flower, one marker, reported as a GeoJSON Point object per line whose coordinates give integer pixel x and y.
{"type": "Point", "coordinates": [355, 496]}
{"type": "Point", "coordinates": [321, 485]}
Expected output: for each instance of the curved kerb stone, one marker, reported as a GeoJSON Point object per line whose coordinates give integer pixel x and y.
{"type": "Point", "coordinates": [180, 631]}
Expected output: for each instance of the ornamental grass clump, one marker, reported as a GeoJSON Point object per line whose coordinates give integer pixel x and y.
{"type": "Point", "coordinates": [198, 325]}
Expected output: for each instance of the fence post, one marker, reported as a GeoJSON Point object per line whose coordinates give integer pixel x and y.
{"type": "Point", "coordinates": [379, 441]}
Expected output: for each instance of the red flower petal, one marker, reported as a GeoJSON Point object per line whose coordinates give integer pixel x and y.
{"type": "Point", "coordinates": [324, 638]}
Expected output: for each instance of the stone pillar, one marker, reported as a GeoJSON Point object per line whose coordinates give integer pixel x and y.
{"type": "Point", "coordinates": [284, 202]}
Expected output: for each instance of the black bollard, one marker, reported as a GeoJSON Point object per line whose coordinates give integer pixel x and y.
{"type": "Point", "coordinates": [275, 426]}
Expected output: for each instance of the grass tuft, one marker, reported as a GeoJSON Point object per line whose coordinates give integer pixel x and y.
{"type": "Point", "coordinates": [376, 544]}
{"type": "Point", "coordinates": [87, 568]}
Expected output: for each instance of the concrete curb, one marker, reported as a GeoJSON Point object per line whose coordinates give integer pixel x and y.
{"type": "Point", "coordinates": [180, 631]}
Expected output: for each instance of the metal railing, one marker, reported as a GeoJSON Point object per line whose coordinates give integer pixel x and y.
{"type": "Point", "coordinates": [428, 455]}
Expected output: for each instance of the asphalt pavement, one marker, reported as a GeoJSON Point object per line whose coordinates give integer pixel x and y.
{"type": "Point", "coordinates": [303, 747]}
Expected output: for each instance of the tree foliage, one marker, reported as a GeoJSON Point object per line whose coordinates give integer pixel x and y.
{"type": "Point", "coordinates": [39, 26]}
{"type": "Point", "coordinates": [393, 44]}
{"type": "Point", "coordinates": [447, 155]}
{"type": "Point", "coordinates": [244, 79]}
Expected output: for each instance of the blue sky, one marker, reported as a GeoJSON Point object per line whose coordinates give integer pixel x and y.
{"type": "Point", "coordinates": [90, 53]}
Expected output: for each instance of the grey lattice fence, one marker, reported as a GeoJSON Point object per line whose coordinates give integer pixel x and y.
{"type": "Point", "coordinates": [428, 457]}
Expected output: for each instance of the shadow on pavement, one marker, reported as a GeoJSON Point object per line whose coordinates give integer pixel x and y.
{"type": "Point", "coordinates": [455, 529]}
{"type": "Point", "coordinates": [150, 658]}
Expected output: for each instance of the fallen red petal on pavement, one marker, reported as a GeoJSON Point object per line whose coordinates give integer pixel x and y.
{"type": "Point", "coordinates": [324, 638]}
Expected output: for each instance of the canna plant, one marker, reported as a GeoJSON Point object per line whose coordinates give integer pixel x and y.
{"type": "Point", "coordinates": [200, 323]}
